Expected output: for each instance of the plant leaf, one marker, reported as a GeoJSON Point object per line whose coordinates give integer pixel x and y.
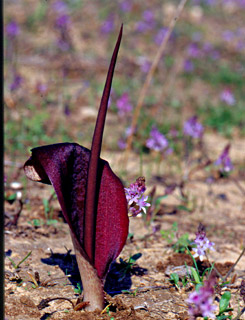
{"type": "Point", "coordinates": [224, 302]}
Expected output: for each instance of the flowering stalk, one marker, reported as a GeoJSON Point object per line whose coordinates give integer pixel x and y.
{"type": "Point", "coordinates": [202, 243]}
{"type": "Point", "coordinates": [201, 301]}
{"type": "Point", "coordinates": [135, 197]}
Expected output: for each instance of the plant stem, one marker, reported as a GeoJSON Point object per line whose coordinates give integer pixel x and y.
{"type": "Point", "coordinates": [92, 285]}
{"type": "Point", "coordinates": [218, 273]}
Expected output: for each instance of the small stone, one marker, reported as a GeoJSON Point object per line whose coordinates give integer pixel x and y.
{"type": "Point", "coordinates": [16, 185]}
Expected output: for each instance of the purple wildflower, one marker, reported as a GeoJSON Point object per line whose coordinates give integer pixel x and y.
{"type": "Point", "coordinates": [193, 128]}
{"type": "Point", "coordinates": [145, 65]}
{"type": "Point", "coordinates": [224, 160]}
{"type": "Point", "coordinates": [188, 66]}
{"type": "Point", "coordinates": [123, 105]}
{"type": "Point", "coordinates": [122, 141]}
{"type": "Point", "coordinates": [202, 243]}
{"type": "Point", "coordinates": [148, 16]}
{"type": "Point", "coordinates": [108, 25]}
{"type": "Point", "coordinates": [135, 197]}
{"type": "Point", "coordinates": [126, 5]}
{"type": "Point", "coordinates": [41, 88]}
{"type": "Point", "coordinates": [60, 7]}
{"type": "Point", "coordinates": [157, 140]}
{"type": "Point", "coordinates": [147, 23]}
{"type": "Point", "coordinates": [228, 35]}
{"type": "Point", "coordinates": [160, 35]}
{"type": "Point", "coordinates": [17, 81]}
{"type": "Point", "coordinates": [202, 300]}
{"type": "Point", "coordinates": [193, 51]}
{"type": "Point", "coordinates": [62, 21]}
{"type": "Point", "coordinates": [121, 144]}
{"type": "Point", "coordinates": [62, 24]}
{"type": "Point", "coordinates": [12, 29]}
{"type": "Point", "coordinates": [227, 97]}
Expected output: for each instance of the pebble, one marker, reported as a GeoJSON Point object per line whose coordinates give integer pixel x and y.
{"type": "Point", "coordinates": [16, 185]}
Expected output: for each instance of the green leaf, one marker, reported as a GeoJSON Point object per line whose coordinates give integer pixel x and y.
{"type": "Point", "coordinates": [184, 208]}
{"type": "Point", "coordinates": [195, 275]}
{"type": "Point", "coordinates": [224, 302]}
{"type": "Point", "coordinates": [12, 197]}
{"type": "Point", "coordinates": [174, 277]}
{"type": "Point", "coordinates": [159, 199]}
{"type": "Point", "coordinates": [135, 257]}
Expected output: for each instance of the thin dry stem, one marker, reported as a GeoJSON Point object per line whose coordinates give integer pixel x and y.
{"type": "Point", "coordinates": [233, 267]}
{"type": "Point", "coordinates": [150, 75]}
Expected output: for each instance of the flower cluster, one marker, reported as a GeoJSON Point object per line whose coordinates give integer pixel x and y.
{"type": "Point", "coordinates": [224, 160]}
{"type": "Point", "coordinates": [193, 128]}
{"type": "Point", "coordinates": [202, 243]}
{"type": "Point", "coordinates": [135, 197]}
{"type": "Point", "coordinates": [157, 140]}
{"type": "Point", "coordinates": [202, 301]}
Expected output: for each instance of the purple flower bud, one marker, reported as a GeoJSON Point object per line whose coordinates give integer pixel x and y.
{"type": "Point", "coordinates": [157, 140]}
{"type": "Point", "coordinates": [193, 128]}
{"type": "Point", "coordinates": [12, 29]}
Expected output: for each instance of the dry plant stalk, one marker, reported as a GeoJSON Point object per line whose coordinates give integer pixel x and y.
{"type": "Point", "coordinates": [149, 78]}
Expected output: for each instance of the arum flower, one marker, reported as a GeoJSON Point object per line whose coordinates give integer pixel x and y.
{"type": "Point", "coordinates": [91, 197]}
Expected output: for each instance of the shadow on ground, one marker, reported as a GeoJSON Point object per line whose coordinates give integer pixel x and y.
{"type": "Point", "coordinates": [118, 278]}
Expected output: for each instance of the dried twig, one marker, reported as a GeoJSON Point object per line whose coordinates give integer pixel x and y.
{"type": "Point", "coordinates": [233, 267]}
